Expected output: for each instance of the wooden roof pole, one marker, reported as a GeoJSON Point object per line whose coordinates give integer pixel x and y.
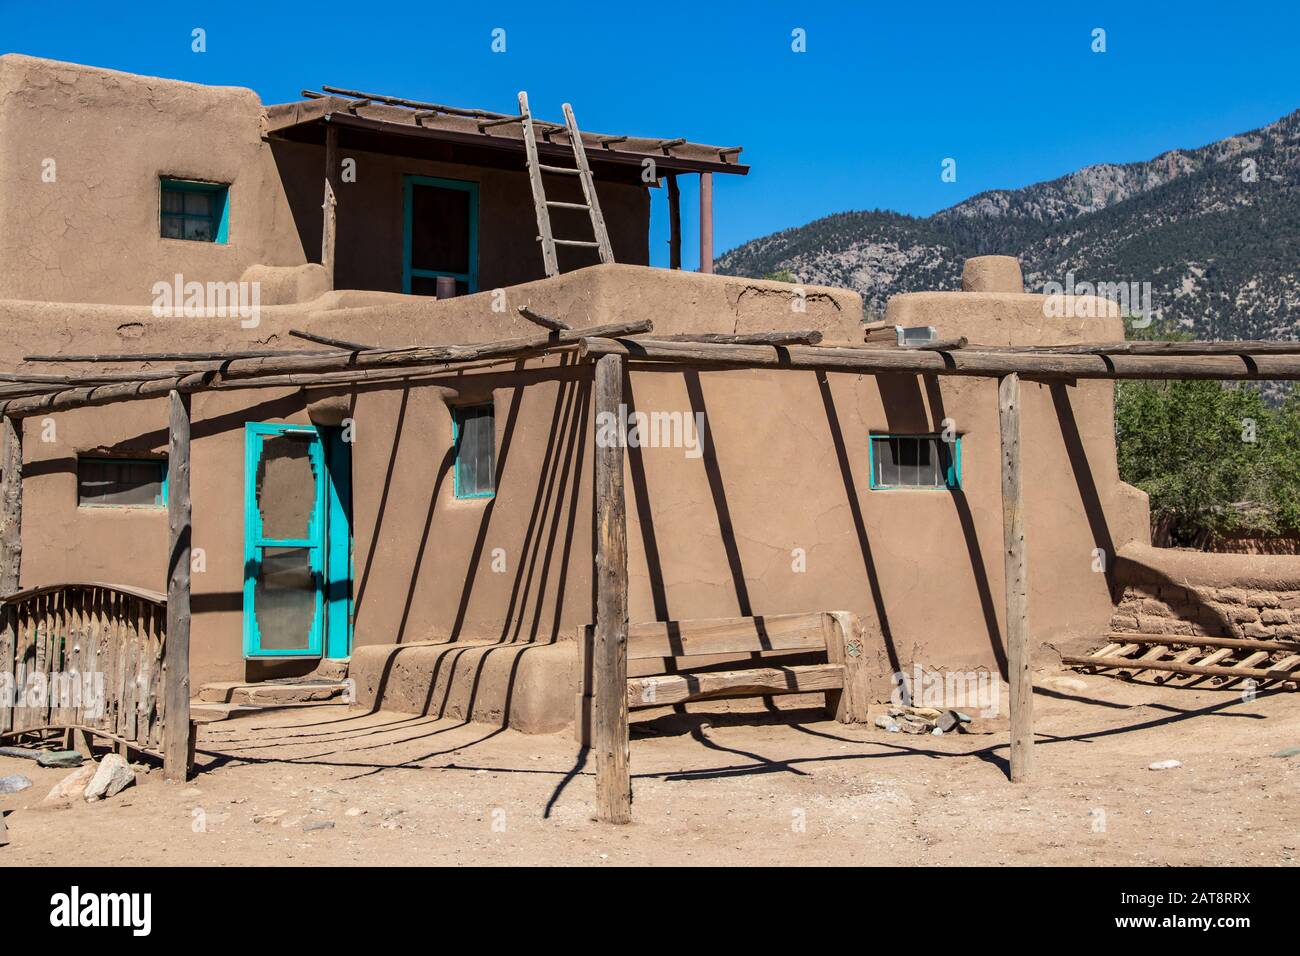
{"type": "Point", "coordinates": [212, 375]}
{"type": "Point", "coordinates": [609, 731]}
{"type": "Point", "coordinates": [706, 222]}
{"type": "Point", "coordinates": [176, 648]}
{"type": "Point", "coordinates": [11, 544]}
{"type": "Point", "coordinates": [329, 225]}
{"type": "Point", "coordinates": [1036, 365]}
{"type": "Point", "coordinates": [1016, 629]}
{"type": "Point", "coordinates": [674, 222]}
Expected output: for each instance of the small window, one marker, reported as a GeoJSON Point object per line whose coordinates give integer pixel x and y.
{"type": "Point", "coordinates": [195, 211]}
{"type": "Point", "coordinates": [915, 461]}
{"type": "Point", "coordinates": [123, 482]}
{"type": "Point", "coordinates": [474, 435]}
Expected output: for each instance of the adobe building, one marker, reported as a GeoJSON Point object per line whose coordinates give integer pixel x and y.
{"type": "Point", "coordinates": [436, 529]}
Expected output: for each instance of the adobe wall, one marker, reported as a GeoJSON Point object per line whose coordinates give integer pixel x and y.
{"type": "Point", "coordinates": [371, 209]}
{"type": "Point", "coordinates": [423, 559]}
{"type": "Point", "coordinates": [92, 234]}
{"type": "Point", "coordinates": [1078, 514]}
{"type": "Point", "coordinates": [785, 467]}
{"type": "Point", "coordinates": [1192, 593]}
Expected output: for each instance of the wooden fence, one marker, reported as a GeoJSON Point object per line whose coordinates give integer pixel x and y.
{"type": "Point", "coordinates": [88, 657]}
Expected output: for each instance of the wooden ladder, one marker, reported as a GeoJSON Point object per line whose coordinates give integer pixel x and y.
{"type": "Point", "coordinates": [544, 205]}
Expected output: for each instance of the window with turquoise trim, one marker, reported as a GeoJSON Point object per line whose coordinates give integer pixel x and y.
{"type": "Point", "coordinates": [440, 234]}
{"type": "Point", "coordinates": [193, 210]}
{"type": "Point", "coordinates": [121, 482]}
{"type": "Point", "coordinates": [915, 461]}
{"type": "Point", "coordinates": [474, 435]}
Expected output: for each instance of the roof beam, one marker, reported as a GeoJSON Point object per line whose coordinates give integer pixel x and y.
{"type": "Point", "coordinates": [963, 362]}
{"type": "Point", "coordinates": [206, 377]}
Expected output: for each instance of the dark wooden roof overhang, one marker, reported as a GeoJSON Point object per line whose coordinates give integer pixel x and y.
{"type": "Point", "coordinates": [399, 136]}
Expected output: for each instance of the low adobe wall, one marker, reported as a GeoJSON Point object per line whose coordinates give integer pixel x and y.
{"type": "Point", "coordinates": [1192, 593]}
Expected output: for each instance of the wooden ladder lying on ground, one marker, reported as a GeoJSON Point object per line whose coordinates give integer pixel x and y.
{"type": "Point", "coordinates": [670, 649]}
{"type": "Point", "coordinates": [1185, 660]}
{"type": "Point", "coordinates": [544, 205]}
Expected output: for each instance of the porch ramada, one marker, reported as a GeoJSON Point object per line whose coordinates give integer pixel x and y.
{"type": "Point", "coordinates": [604, 356]}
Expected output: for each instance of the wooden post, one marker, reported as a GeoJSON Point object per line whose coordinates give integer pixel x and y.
{"type": "Point", "coordinates": [706, 222]}
{"type": "Point", "coordinates": [1017, 586]}
{"type": "Point", "coordinates": [674, 222]}
{"type": "Point", "coordinates": [176, 650]}
{"type": "Point", "coordinates": [329, 229]}
{"type": "Point", "coordinates": [11, 542]}
{"type": "Point", "coordinates": [609, 654]}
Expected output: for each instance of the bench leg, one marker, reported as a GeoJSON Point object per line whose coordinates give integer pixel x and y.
{"type": "Point", "coordinates": [845, 646]}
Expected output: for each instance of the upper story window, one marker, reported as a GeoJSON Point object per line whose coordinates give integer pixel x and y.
{"type": "Point", "coordinates": [474, 435]}
{"type": "Point", "coordinates": [915, 461]}
{"type": "Point", "coordinates": [128, 482]}
{"type": "Point", "coordinates": [193, 210]}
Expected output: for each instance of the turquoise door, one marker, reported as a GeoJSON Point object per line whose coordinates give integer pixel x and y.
{"type": "Point", "coordinates": [285, 553]}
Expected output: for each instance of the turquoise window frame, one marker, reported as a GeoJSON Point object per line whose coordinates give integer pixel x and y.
{"type": "Point", "coordinates": [160, 499]}
{"type": "Point", "coordinates": [456, 412]}
{"type": "Point", "coordinates": [255, 433]}
{"type": "Point", "coordinates": [408, 211]}
{"type": "Point", "coordinates": [952, 477]}
{"type": "Point", "coordinates": [221, 234]}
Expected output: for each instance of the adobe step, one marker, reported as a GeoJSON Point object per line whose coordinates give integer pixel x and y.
{"type": "Point", "coordinates": [273, 692]}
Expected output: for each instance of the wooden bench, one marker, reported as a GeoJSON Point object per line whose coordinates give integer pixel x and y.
{"type": "Point", "coordinates": [664, 656]}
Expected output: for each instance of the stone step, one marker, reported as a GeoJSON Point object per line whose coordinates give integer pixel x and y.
{"type": "Point", "coordinates": [273, 692]}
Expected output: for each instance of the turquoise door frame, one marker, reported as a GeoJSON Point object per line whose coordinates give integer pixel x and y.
{"type": "Point", "coordinates": [409, 183]}
{"type": "Point", "coordinates": [338, 536]}
{"type": "Point", "coordinates": [329, 538]}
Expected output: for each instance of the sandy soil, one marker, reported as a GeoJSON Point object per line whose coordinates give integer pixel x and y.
{"type": "Point", "coordinates": [727, 788]}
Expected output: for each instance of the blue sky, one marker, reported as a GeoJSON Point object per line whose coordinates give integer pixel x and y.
{"type": "Point", "coordinates": [863, 119]}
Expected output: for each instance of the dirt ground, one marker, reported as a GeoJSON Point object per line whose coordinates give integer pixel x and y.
{"type": "Point", "coordinates": [725, 788]}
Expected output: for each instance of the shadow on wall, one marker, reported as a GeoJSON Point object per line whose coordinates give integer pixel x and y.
{"type": "Point", "coordinates": [546, 548]}
{"type": "Point", "coordinates": [548, 536]}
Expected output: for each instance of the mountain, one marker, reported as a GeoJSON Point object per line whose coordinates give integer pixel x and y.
{"type": "Point", "coordinates": [1215, 230]}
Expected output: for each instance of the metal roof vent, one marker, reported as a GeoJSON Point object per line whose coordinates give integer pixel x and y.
{"type": "Point", "coordinates": [916, 334]}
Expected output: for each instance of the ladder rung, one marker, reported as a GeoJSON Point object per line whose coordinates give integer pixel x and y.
{"type": "Point", "coordinates": [558, 169]}
{"type": "Point", "coordinates": [568, 205]}
{"type": "Point", "coordinates": [575, 242]}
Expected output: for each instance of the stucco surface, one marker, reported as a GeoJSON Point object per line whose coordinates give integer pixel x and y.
{"type": "Point", "coordinates": [423, 558]}
{"type": "Point", "coordinates": [92, 235]}
{"type": "Point", "coordinates": [772, 513]}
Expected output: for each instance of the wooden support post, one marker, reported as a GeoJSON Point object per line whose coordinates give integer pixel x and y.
{"type": "Point", "coordinates": [1017, 586]}
{"type": "Point", "coordinates": [329, 229]}
{"type": "Point", "coordinates": [11, 542]}
{"type": "Point", "coordinates": [176, 650]}
{"type": "Point", "coordinates": [609, 654]}
{"type": "Point", "coordinates": [706, 222]}
{"type": "Point", "coordinates": [674, 222]}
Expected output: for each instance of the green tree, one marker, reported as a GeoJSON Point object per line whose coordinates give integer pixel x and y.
{"type": "Point", "coordinates": [1213, 458]}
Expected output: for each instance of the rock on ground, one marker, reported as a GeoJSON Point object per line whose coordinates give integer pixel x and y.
{"type": "Point", "coordinates": [113, 776]}
{"type": "Point", "coordinates": [14, 783]}
{"type": "Point", "coordinates": [73, 784]}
